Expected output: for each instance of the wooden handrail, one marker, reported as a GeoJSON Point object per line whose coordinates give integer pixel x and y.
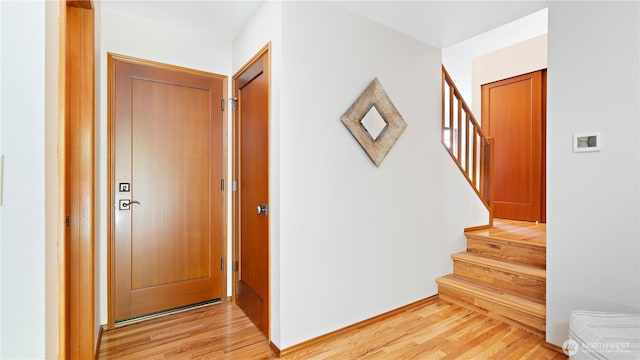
{"type": "Point", "coordinates": [469, 147]}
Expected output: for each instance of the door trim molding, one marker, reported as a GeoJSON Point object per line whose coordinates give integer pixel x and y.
{"type": "Point", "coordinates": [111, 61]}
{"type": "Point", "coordinates": [237, 77]}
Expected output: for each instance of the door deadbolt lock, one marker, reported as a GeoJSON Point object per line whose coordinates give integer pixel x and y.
{"type": "Point", "coordinates": [262, 210]}
{"type": "Point", "coordinates": [125, 204]}
{"type": "Point", "coordinates": [124, 187]}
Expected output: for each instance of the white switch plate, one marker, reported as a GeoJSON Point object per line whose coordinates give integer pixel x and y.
{"type": "Point", "coordinates": [587, 142]}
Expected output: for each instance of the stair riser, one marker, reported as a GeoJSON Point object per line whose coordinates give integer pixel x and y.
{"type": "Point", "coordinates": [513, 283]}
{"type": "Point", "coordinates": [505, 251]}
{"type": "Point", "coordinates": [530, 322]}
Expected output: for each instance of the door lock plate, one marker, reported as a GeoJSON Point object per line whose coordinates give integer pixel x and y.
{"type": "Point", "coordinates": [124, 187]}
{"type": "Point", "coordinates": [124, 204]}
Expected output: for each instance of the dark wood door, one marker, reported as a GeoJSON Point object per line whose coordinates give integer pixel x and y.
{"type": "Point", "coordinates": [251, 88]}
{"type": "Point", "coordinates": [167, 159]}
{"type": "Point", "coordinates": [513, 114]}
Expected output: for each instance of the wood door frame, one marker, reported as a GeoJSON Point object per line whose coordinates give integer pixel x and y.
{"type": "Point", "coordinates": [266, 49]}
{"type": "Point", "coordinates": [543, 154]}
{"type": "Point", "coordinates": [543, 134]}
{"type": "Point", "coordinates": [111, 61]}
{"type": "Point", "coordinates": [76, 196]}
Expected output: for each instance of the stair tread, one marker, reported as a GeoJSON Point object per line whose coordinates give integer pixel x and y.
{"type": "Point", "coordinates": [497, 296]}
{"type": "Point", "coordinates": [521, 269]}
{"type": "Point", "coordinates": [486, 235]}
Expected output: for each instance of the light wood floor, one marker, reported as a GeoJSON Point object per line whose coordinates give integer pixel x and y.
{"type": "Point", "coordinates": [431, 329]}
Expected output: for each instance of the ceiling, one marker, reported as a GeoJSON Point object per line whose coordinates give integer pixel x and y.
{"type": "Point", "coordinates": [443, 23]}
{"type": "Point", "coordinates": [225, 18]}
{"type": "Point", "coordinates": [438, 23]}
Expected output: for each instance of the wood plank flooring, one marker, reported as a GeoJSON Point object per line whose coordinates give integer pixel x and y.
{"type": "Point", "coordinates": [431, 329]}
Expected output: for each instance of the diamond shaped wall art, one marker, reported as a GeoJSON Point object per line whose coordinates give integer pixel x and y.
{"type": "Point", "coordinates": [374, 99]}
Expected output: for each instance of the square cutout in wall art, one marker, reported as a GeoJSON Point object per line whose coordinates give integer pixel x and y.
{"type": "Point", "coordinates": [374, 122]}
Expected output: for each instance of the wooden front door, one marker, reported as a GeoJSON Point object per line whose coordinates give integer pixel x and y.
{"type": "Point", "coordinates": [251, 89]}
{"type": "Point", "coordinates": [513, 114]}
{"type": "Point", "coordinates": [166, 138]}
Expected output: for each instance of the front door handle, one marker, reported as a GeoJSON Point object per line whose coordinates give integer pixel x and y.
{"type": "Point", "coordinates": [262, 209]}
{"type": "Point", "coordinates": [125, 204]}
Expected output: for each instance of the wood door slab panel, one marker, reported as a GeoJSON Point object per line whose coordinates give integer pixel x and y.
{"type": "Point", "coordinates": [173, 225]}
{"type": "Point", "coordinates": [167, 145]}
{"type": "Point", "coordinates": [161, 298]}
{"type": "Point", "coordinates": [251, 88]}
{"type": "Point", "coordinates": [253, 168]}
{"type": "Point", "coordinates": [251, 303]}
{"type": "Point", "coordinates": [512, 115]}
{"type": "Point", "coordinates": [512, 167]}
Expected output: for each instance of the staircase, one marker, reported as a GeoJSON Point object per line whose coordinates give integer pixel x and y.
{"type": "Point", "coordinates": [502, 274]}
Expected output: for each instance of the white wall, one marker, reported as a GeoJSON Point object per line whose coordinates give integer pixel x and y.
{"type": "Point", "coordinates": [593, 252]}
{"type": "Point", "coordinates": [1, 178]}
{"type": "Point", "coordinates": [264, 27]}
{"type": "Point", "coordinates": [356, 240]}
{"type": "Point", "coordinates": [24, 74]}
{"type": "Point", "coordinates": [457, 58]}
{"type": "Point", "coordinates": [514, 60]}
{"type": "Point", "coordinates": [138, 37]}
{"type": "Point", "coordinates": [51, 177]}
